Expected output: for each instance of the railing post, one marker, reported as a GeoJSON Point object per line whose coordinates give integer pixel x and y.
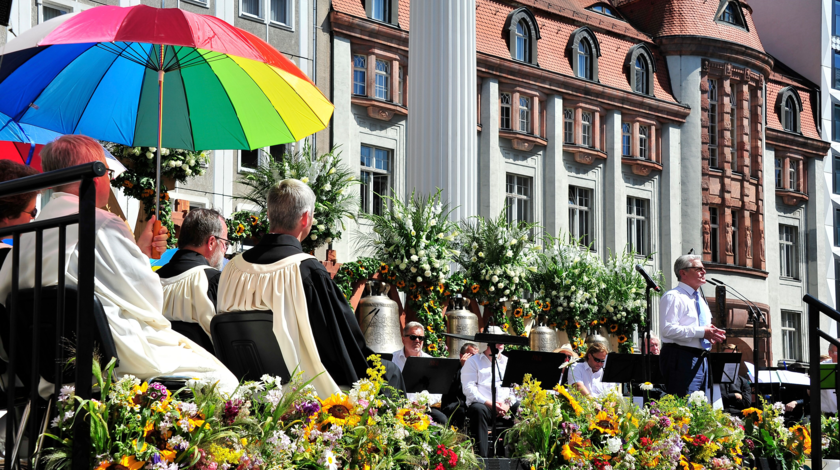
{"type": "Point", "coordinates": [11, 372]}
{"type": "Point", "coordinates": [816, 405]}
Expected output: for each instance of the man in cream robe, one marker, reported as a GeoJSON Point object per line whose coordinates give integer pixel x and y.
{"type": "Point", "coordinates": [316, 330]}
{"type": "Point", "coordinates": [129, 290]}
{"type": "Point", "coordinates": [190, 279]}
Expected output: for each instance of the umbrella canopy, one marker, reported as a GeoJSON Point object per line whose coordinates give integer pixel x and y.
{"type": "Point", "coordinates": [18, 152]}
{"type": "Point", "coordinates": [97, 73]}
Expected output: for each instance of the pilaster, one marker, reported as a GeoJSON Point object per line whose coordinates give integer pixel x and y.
{"type": "Point", "coordinates": [556, 202]}
{"type": "Point", "coordinates": [491, 165]}
{"type": "Point", "coordinates": [615, 196]}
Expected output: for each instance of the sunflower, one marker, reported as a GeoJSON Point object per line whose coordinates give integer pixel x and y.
{"type": "Point", "coordinates": [255, 220]}
{"type": "Point", "coordinates": [546, 306]}
{"type": "Point", "coordinates": [539, 304]}
{"type": "Point", "coordinates": [475, 288]}
{"type": "Point", "coordinates": [433, 347]}
{"type": "Point", "coordinates": [413, 419]}
{"type": "Point", "coordinates": [412, 286]}
{"type": "Point", "coordinates": [594, 323]}
{"type": "Point", "coordinates": [129, 185]}
{"type": "Point", "coordinates": [339, 410]}
{"type": "Point", "coordinates": [602, 320]}
{"type": "Point", "coordinates": [505, 327]}
{"type": "Point", "coordinates": [383, 268]}
{"type": "Point", "coordinates": [240, 229]}
{"type": "Point", "coordinates": [604, 423]}
{"type": "Point", "coordinates": [622, 339]}
{"type": "Point", "coordinates": [752, 411]}
{"type": "Point", "coordinates": [517, 312]}
{"type": "Point", "coordinates": [553, 325]}
{"type": "Point", "coordinates": [613, 328]}
{"type": "Point", "coordinates": [441, 288]}
{"type": "Point", "coordinates": [529, 315]}
{"type": "Point", "coordinates": [572, 402]}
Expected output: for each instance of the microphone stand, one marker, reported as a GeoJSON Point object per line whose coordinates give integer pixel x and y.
{"type": "Point", "coordinates": [649, 284]}
{"type": "Point", "coordinates": [755, 316]}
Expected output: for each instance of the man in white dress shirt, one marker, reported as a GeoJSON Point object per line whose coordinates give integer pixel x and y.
{"type": "Point", "coordinates": [476, 381]}
{"type": "Point", "coordinates": [413, 337]}
{"type": "Point", "coordinates": [124, 282]}
{"type": "Point", "coordinates": [828, 398]}
{"type": "Point", "coordinates": [587, 375]}
{"type": "Point", "coordinates": [686, 330]}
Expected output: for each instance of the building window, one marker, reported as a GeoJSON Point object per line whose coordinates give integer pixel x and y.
{"type": "Point", "coordinates": [735, 236]}
{"type": "Point", "coordinates": [746, 133]}
{"type": "Point", "coordinates": [787, 251]}
{"type": "Point", "coordinates": [523, 48]}
{"type": "Point", "coordinates": [626, 139]}
{"type": "Point", "coordinates": [779, 173]}
{"type": "Point", "coordinates": [837, 178]}
{"type": "Point", "coordinates": [375, 176]}
{"type": "Point", "coordinates": [837, 70]}
{"type": "Point", "coordinates": [713, 124]}
{"type": "Point", "coordinates": [794, 175]}
{"type": "Point", "coordinates": [836, 18]}
{"type": "Point", "coordinates": [836, 123]}
{"type": "Point", "coordinates": [252, 7]}
{"type": "Point", "coordinates": [733, 127]}
{"type": "Point", "coordinates": [525, 115]}
{"type": "Point", "coordinates": [280, 11]}
{"type": "Point", "coordinates": [253, 159]}
{"type": "Point", "coordinates": [643, 142]}
{"type": "Point", "coordinates": [604, 10]}
{"type": "Point", "coordinates": [383, 78]}
{"type": "Point", "coordinates": [714, 233]}
{"type": "Point", "coordinates": [380, 10]}
{"type": "Point", "coordinates": [637, 225]}
{"type": "Point", "coordinates": [788, 114]}
{"type": "Point", "coordinates": [586, 129]}
{"type": "Point", "coordinates": [568, 126]}
{"type": "Point", "coordinates": [791, 336]}
{"type": "Point", "coordinates": [518, 194]}
{"type": "Point", "coordinates": [359, 75]}
{"type": "Point", "coordinates": [729, 14]}
{"type": "Point", "coordinates": [400, 81]}
{"type": "Point", "coordinates": [789, 106]}
{"type": "Point", "coordinates": [505, 114]}
{"type": "Point", "coordinates": [584, 60]}
{"type": "Point", "coordinates": [837, 229]}
{"type": "Point", "coordinates": [642, 78]}
{"type": "Point", "coordinates": [50, 12]}
{"type": "Point", "coordinates": [580, 208]}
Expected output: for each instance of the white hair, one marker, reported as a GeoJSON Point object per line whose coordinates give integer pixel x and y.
{"type": "Point", "coordinates": [411, 326]}
{"type": "Point", "coordinates": [684, 262]}
{"type": "Point", "coordinates": [287, 202]}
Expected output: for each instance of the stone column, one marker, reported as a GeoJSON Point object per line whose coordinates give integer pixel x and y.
{"type": "Point", "coordinates": [670, 231]}
{"type": "Point", "coordinates": [442, 141]}
{"type": "Point", "coordinates": [556, 187]}
{"type": "Point", "coordinates": [615, 196]}
{"type": "Point", "coordinates": [491, 165]}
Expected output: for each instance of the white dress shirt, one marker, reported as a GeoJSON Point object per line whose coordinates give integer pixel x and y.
{"type": "Point", "coordinates": [828, 398]}
{"type": "Point", "coordinates": [581, 372]}
{"type": "Point", "coordinates": [476, 379]}
{"type": "Point", "coordinates": [399, 360]}
{"type": "Point", "coordinates": [679, 322]}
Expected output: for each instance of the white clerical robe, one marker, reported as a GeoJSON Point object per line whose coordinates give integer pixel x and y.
{"type": "Point", "coordinates": [278, 287]}
{"type": "Point", "coordinates": [130, 293]}
{"type": "Point", "coordinates": [185, 298]}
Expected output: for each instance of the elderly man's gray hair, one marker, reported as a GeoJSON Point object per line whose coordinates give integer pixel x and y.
{"type": "Point", "coordinates": [684, 262]}
{"type": "Point", "coordinates": [287, 202]}
{"type": "Point", "coordinates": [198, 226]}
{"type": "Point", "coordinates": [466, 346]}
{"type": "Point", "coordinates": [412, 325]}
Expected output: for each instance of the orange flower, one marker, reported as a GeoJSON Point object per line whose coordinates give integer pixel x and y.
{"type": "Point", "coordinates": [546, 306]}
{"type": "Point", "coordinates": [168, 455]}
{"type": "Point", "coordinates": [539, 304]}
{"type": "Point", "coordinates": [383, 268]}
{"type": "Point", "coordinates": [131, 463]}
{"type": "Point", "coordinates": [518, 312]}
{"type": "Point", "coordinates": [104, 464]}
{"type": "Point", "coordinates": [613, 328]}
{"type": "Point", "coordinates": [400, 284]}
{"type": "Point", "coordinates": [622, 338]}
{"type": "Point", "coordinates": [441, 288]}
{"type": "Point", "coordinates": [475, 288]}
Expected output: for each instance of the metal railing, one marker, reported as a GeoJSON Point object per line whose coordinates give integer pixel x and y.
{"type": "Point", "coordinates": [86, 220]}
{"type": "Point", "coordinates": [815, 309]}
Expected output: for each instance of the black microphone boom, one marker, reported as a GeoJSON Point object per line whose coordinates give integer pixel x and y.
{"type": "Point", "coordinates": [650, 282]}
{"type": "Point", "coordinates": [758, 312]}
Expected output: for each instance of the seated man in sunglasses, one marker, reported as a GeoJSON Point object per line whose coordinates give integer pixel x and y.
{"type": "Point", "coordinates": [413, 337]}
{"type": "Point", "coordinates": [587, 374]}
{"type": "Point", "coordinates": [191, 278]}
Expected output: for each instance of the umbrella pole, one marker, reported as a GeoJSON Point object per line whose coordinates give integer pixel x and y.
{"type": "Point", "coordinates": [155, 253]}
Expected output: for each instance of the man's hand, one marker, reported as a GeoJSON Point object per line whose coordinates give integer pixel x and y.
{"type": "Point", "coordinates": [738, 396]}
{"type": "Point", "coordinates": [714, 334]}
{"type": "Point", "coordinates": [501, 408]}
{"type": "Point", "coordinates": [464, 357]}
{"type": "Point", "coordinates": [790, 406]}
{"type": "Point", "coordinates": [148, 240]}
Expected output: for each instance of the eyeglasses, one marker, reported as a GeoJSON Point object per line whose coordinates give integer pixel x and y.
{"type": "Point", "coordinates": [225, 241]}
{"type": "Point", "coordinates": [111, 173]}
{"type": "Point", "coordinates": [416, 338]}
{"type": "Point", "coordinates": [34, 213]}
{"type": "Point", "coordinates": [599, 361]}
{"type": "Point", "coordinates": [700, 269]}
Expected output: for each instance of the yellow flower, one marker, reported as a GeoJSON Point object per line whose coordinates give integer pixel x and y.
{"type": "Point", "coordinates": [517, 312]}
{"type": "Point", "coordinates": [749, 412]}
{"type": "Point", "coordinates": [604, 423]}
{"type": "Point", "coordinates": [140, 389]}
{"type": "Point", "coordinates": [567, 453]}
{"type": "Point", "coordinates": [433, 347]}
{"type": "Point", "coordinates": [340, 410]}
{"type": "Point", "coordinates": [572, 402]}
{"type": "Point", "coordinates": [412, 419]}
{"type": "Point", "coordinates": [168, 455]}
{"type": "Point", "coordinates": [149, 428]}
{"type": "Point", "coordinates": [131, 463]}
{"type": "Point", "coordinates": [104, 464]}
{"type": "Point", "coordinates": [240, 229]}
{"type": "Point", "coordinates": [475, 288]}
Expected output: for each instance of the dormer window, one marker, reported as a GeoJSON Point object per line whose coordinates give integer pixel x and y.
{"type": "Point", "coordinates": [789, 113]}
{"type": "Point", "coordinates": [522, 51]}
{"type": "Point", "coordinates": [585, 53]}
{"type": "Point", "coordinates": [380, 10]}
{"type": "Point", "coordinates": [604, 10]}
{"type": "Point", "coordinates": [386, 11]}
{"type": "Point", "coordinates": [790, 106]}
{"type": "Point", "coordinates": [641, 67]}
{"type": "Point", "coordinates": [584, 60]}
{"type": "Point", "coordinates": [730, 12]}
{"type": "Point", "coordinates": [641, 72]}
{"type": "Point", "coordinates": [522, 32]}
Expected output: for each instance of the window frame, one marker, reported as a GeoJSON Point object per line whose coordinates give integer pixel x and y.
{"type": "Point", "coordinates": [790, 118]}
{"type": "Point", "coordinates": [641, 52]}
{"type": "Point", "coordinates": [585, 35]}
{"type": "Point", "coordinates": [638, 222]}
{"type": "Point", "coordinates": [792, 334]}
{"type": "Point", "coordinates": [363, 71]}
{"type": "Point", "coordinates": [734, 216]}
{"type": "Point", "coordinates": [289, 14]}
{"type": "Point", "coordinates": [263, 155]}
{"type": "Point", "coordinates": [788, 251]}
{"type": "Point", "coordinates": [736, 15]}
{"type": "Point", "coordinates": [530, 35]}
{"type": "Point", "coordinates": [714, 157]}
{"type": "Point", "coordinates": [836, 124]}
{"type": "Point", "coordinates": [568, 126]}
{"type": "Point", "coordinates": [779, 168]}
{"type": "Point", "coordinates": [369, 197]}
{"type": "Point", "coordinates": [514, 201]}
{"type": "Point", "coordinates": [644, 142]}
{"type": "Point", "coordinates": [626, 139]}
{"type": "Point", "coordinates": [526, 123]}
{"type": "Point", "coordinates": [261, 16]}
{"type": "Point", "coordinates": [714, 233]}
{"type": "Point", "coordinates": [836, 170]}
{"type": "Point", "coordinates": [506, 115]}
{"type": "Point", "coordinates": [385, 76]}
{"type": "Point", "coordinates": [836, 70]}
{"type": "Point", "coordinates": [586, 123]}
{"type": "Point", "coordinates": [793, 175]}
{"type": "Point", "coordinates": [837, 228]}
{"type": "Point", "coordinates": [581, 212]}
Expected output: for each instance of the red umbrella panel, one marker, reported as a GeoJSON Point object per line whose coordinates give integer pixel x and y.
{"type": "Point", "coordinates": [22, 153]}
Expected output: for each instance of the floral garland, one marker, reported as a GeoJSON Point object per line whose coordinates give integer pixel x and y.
{"type": "Point", "coordinates": [413, 240]}
{"type": "Point", "coordinates": [354, 271]}
{"type": "Point", "coordinates": [243, 225]}
{"type": "Point", "coordinates": [497, 257]}
{"type": "Point", "coordinates": [329, 179]}
{"type": "Point", "coordinates": [138, 181]}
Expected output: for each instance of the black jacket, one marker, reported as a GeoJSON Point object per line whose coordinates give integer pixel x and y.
{"type": "Point", "coordinates": [731, 404]}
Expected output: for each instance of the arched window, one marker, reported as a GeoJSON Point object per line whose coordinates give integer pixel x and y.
{"type": "Point", "coordinates": [585, 52]}
{"type": "Point", "coordinates": [522, 51]}
{"type": "Point", "coordinates": [523, 33]}
{"type": "Point", "coordinates": [789, 106]}
{"type": "Point", "coordinates": [729, 12]}
{"type": "Point", "coordinates": [641, 69]}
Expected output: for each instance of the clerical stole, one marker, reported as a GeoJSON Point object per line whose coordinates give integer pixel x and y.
{"type": "Point", "coordinates": [278, 287]}
{"type": "Point", "coordinates": [185, 298]}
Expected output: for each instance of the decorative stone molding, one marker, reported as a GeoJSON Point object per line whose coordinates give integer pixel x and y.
{"type": "Point", "coordinates": [640, 166]}
{"type": "Point", "coordinates": [585, 155]}
{"type": "Point", "coordinates": [523, 142]}
{"type": "Point", "coordinates": [728, 268]}
{"type": "Point", "coordinates": [791, 198]}
{"type": "Point", "coordinates": [378, 109]}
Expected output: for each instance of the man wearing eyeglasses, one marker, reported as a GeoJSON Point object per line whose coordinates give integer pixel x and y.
{"type": "Point", "coordinates": [587, 375]}
{"type": "Point", "coordinates": [191, 278]}
{"type": "Point", "coordinates": [686, 330]}
{"type": "Point", "coordinates": [413, 337]}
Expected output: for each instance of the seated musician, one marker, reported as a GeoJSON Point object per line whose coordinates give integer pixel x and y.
{"type": "Point", "coordinates": [454, 402]}
{"type": "Point", "coordinates": [587, 374]}
{"type": "Point", "coordinates": [413, 337]}
{"type": "Point", "coordinates": [315, 328]}
{"type": "Point", "coordinates": [191, 278]}
{"type": "Point", "coordinates": [124, 281]}
{"type": "Point", "coordinates": [736, 396]}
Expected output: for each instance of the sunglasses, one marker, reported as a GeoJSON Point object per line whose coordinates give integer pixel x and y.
{"type": "Point", "coordinates": [33, 214]}
{"type": "Point", "coordinates": [416, 338]}
{"type": "Point", "coordinates": [599, 361]}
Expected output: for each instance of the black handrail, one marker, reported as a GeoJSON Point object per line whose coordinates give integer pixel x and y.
{"type": "Point", "coordinates": [815, 309]}
{"type": "Point", "coordinates": [86, 220]}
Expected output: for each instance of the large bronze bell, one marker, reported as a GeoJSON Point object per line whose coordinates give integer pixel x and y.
{"type": "Point", "coordinates": [543, 338]}
{"type": "Point", "coordinates": [461, 321]}
{"type": "Point", "coordinates": [380, 319]}
{"type": "Point", "coordinates": [594, 336]}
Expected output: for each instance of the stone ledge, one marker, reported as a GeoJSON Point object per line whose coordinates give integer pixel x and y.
{"type": "Point", "coordinates": [732, 268]}
{"type": "Point", "coordinates": [791, 198]}
{"type": "Point", "coordinates": [378, 109]}
{"type": "Point", "coordinates": [641, 166]}
{"type": "Point", "coordinates": [522, 141]}
{"type": "Point", "coordinates": [585, 155]}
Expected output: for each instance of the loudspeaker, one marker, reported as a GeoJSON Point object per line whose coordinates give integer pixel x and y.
{"type": "Point", "coordinates": [5, 12]}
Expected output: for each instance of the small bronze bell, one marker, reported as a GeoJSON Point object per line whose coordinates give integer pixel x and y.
{"type": "Point", "coordinates": [543, 338]}
{"type": "Point", "coordinates": [594, 336]}
{"type": "Point", "coordinates": [380, 319]}
{"type": "Point", "coordinates": [460, 321]}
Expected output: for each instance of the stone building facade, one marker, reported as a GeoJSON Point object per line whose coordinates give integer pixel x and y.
{"type": "Point", "coordinates": [657, 125]}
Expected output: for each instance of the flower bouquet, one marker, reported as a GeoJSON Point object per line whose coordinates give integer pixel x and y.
{"type": "Point", "coordinates": [767, 436]}
{"type": "Point", "coordinates": [329, 179]}
{"type": "Point", "coordinates": [622, 298]}
{"type": "Point", "coordinates": [497, 259]}
{"type": "Point", "coordinates": [413, 242]}
{"type": "Point", "coordinates": [244, 225]}
{"type": "Point", "coordinates": [830, 438]}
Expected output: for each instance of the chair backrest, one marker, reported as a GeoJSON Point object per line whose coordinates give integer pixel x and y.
{"type": "Point", "coordinates": [246, 344]}
{"type": "Point", "coordinates": [195, 333]}
{"type": "Point", "coordinates": [49, 353]}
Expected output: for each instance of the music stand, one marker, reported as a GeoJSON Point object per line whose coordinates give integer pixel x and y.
{"type": "Point", "coordinates": [431, 374]}
{"type": "Point", "coordinates": [543, 367]}
{"type": "Point", "coordinates": [723, 369]}
{"type": "Point", "coordinates": [631, 368]}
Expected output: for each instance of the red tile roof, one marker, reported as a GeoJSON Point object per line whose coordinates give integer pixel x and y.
{"type": "Point", "coordinates": [688, 18]}
{"type": "Point", "coordinates": [783, 77]}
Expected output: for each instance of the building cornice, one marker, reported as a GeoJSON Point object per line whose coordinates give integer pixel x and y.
{"type": "Point", "coordinates": [797, 144]}
{"type": "Point", "coordinates": [718, 49]}
{"type": "Point", "coordinates": [368, 30]}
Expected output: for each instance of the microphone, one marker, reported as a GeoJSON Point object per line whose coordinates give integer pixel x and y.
{"type": "Point", "coordinates": [760, 315]}
{"type": "Point", "coordinates": [691, 251]}
{"type": "Point", "coordinates": [650, 282]}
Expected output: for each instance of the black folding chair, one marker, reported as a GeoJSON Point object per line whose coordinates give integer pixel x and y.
{"type": "Point", "coordinates": [246, 344]}
{"type": "Point", "coordinates": [195, 333]}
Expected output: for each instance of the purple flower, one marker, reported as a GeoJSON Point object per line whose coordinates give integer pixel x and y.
{"type": "Point", "coordinates": [157, 392]}
{"type": "Point", "coordinates": [232, 408]}
{"type": "Point", "coordinates": [664, 421]}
